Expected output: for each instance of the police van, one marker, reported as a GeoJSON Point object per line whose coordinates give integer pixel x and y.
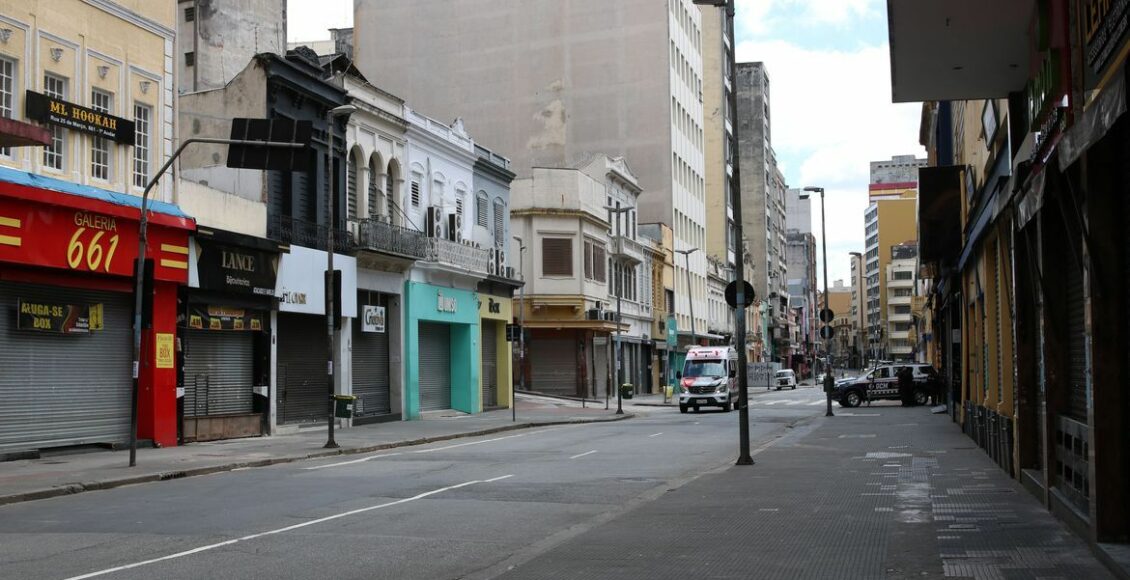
{"type": "Point", "coordinates": [709, 378]}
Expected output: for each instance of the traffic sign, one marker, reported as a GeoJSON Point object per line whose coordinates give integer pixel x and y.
{"type": "Point", "coordinates": [513, 332]}
{"type": "Point", "coordinates": [827, 332]}
{"type": "Point", "coordinates": [732, 294]}
{"type": "Point", "coordinates": [826, 315]}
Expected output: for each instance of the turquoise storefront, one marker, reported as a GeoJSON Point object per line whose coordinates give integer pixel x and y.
{"type": "Point", "coordinates": [441, 337]}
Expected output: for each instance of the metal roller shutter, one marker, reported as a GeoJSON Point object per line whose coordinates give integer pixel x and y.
{"type": "Point", "coordinates": [218, 373]}
{"type": "Point", "coordinates": [553, 368]}
{"type": "Point", "coordinates": [1076, 343]}
{"type": "Point", "coordinates": [370, 372]}
{"type": "Point", "coordinates": [302, 368]}
{"type": "Point", "coordinates": [490, 363]}
{"type": "Point", "coordinates": [64, 389]}
{"type": "Point", "coordinates": [435, 366]}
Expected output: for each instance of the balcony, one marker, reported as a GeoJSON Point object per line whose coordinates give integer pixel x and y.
{"type": "Point", "coordinates": [380, 236]}
{"type": "Point", "coordinates": [306, 234]}
{"type": "Point", "coordinates": [458, 256]}
{"type": "Point", "coordinates": [627, 249]}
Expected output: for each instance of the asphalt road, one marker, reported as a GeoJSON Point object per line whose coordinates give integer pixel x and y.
{"type": "Point", "coordinates": [455, 509]}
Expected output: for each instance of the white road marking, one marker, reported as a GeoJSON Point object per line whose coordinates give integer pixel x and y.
{"type": "Point", "coordinates": [655, 435]}
{"type": "Point", "coordinates": [286, 529]}
{"type": "Point", "coordinates": [446, 447]}
{"type": "Point", "coordinates": [362, 460]}
{"type": "Point", "coordinates": [583, 454]}
{"type": "Point", "coordinates": [820, 402]}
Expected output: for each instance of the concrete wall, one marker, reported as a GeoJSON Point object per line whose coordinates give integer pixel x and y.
{"type": "Point", "coordinates": [798, 212]}
{"type": "Point", "coordinates": [219, 209]}
{"type": "Point", "coordinates": [224, 36]}
{"type": "Point", "coordinates": [753, 148]}
{"type": "Point", "coordinates": [714, 95]}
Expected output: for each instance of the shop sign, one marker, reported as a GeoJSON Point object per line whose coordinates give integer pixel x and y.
{"type": "Point", "coordinates": [45, 109]}
{"type": "Point", "coordinates": [1105, 25]}
{"type": "Point", "coordinates": [237, 270]}
{"type": "Point", "coordinates": [57, 318]}
{"type": "Point", "coordinates": [373, 319]}
{"type": "Point", "coordinates": [300, 284]}
{"type": "Point", "coordinates": [224, 318]}
{"type": "Point", "coordinates": [164, 352]}
{"type": "Point", "coordinates": [446, 304]}
{"type": "Point", "coordinates": [85, 241]}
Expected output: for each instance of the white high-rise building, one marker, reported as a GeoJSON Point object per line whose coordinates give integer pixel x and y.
{"type": "Point", "coordinates": [548, 83]}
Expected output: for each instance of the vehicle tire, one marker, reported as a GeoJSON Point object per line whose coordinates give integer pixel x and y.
{"type": "Point", "coordinates": [695, 408]}
{"type": "Point", "coordinates": [682, 408]}
{"type": "Point", "coordinates": [852, 399]}
{"type": "Point", "coordinates": [778, 388]}
{"type": "Point", "coordinates": [794, 387]}
{"type": "Point", "coordinates": [921, 397]}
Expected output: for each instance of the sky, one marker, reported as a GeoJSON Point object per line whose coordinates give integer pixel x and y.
{"type": "Point", "coordinates": [829, 72]}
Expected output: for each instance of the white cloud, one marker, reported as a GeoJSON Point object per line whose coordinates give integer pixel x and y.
{"type": "Point", "coordinates": [761, 16]}
{"type": "Point", "coordinates": [309, 20]}
{"type": "Point", "coordinates": [831, 116]}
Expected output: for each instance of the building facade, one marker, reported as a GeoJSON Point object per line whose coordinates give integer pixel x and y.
{"type": "Point", "coordinates": [561, 108]}
{"type": "Point", "coordinates": [889, 220]}
{"type": "Point", "coordinates": [86, 101]}
{"type": "Point", "coordinates": [217, 38]}
{"type": "Point", "coordinates": [858, 312]}
{"type": "Point", "coordinates": [902, 285]}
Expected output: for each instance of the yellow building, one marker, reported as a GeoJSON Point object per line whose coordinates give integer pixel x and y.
{"type": "Point", "coordinates": [891, 220]}
{"type": "Point", "coordinates": [113, 58]}
{"type": "Point", "coordinates": [496, 378]}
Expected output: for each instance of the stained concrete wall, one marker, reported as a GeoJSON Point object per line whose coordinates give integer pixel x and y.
{"type": "Point", "coordinates": [224, 35]}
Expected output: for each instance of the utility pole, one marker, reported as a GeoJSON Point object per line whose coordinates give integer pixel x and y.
{"type": "Point", "coordinates": [619, 292]}
{"type": "Point", "coordinates": [331, 287]}
{"type": "Point", "coordinates": [521, 332]}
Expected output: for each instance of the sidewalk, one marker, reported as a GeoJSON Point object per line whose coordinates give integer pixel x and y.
{"type": "Point", "coordinates": [54, 475]}
{"type": "Point", "coordinates": [883, 492]}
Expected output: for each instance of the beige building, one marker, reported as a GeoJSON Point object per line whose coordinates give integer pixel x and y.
{"type": "Point", "coordinates": [623, 78]}
{"type": "Point", "coordinates": [891, 220]}
{"type": "Point", "coordinates": [858, 310]}
{"type": "Point", "coordinates": [902, 276]}
{"type": "Point", "coordinates": [111, 57]}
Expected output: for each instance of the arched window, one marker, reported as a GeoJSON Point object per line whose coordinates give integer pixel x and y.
{"type": "Point", "coordinates": [374, 183]}
{"type": "Point", "coordinates": [351, 187]}
{"type": "Point", "coordinates": [481, 209]}
{"type": "Point", "coordinates": [393, 198]}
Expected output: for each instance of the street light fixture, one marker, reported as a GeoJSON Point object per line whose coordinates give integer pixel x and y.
{"type": "Point", "coordinates": [744, 456]}
{"type": "Point", "coordinates": [829, 382]}
{"type": "Point", "coordinates": [690, 295]}
{"type": "Point", "coordinates": [620, 290]}
{"type": "Point", "coordinates": [521, 331]}
{"type": "Point", "coordinates": [331, 288]}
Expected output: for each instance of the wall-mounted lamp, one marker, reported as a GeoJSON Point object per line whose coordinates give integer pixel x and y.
{"type": "Point", "coordinates": [5, 34]}
{"type": "Point", "coordinates": [56, 54]}
{"type": "Point", "coordinates": [145, 87]}
{"type": "Point", "coordinates": [103, 70]}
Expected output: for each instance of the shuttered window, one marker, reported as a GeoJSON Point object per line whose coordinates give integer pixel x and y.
{"type": "Point", "coordinates": [595, 261]}
{"type": "Point", "coordinates": [351, 190]}
{"type": "Point", "coordinates": [499, 222]}
{"type": "Point", "coordinates": [415, 193]}
{"type": "Point", "coordinates": [557, 256]}
{"type": "Point", "coordinates": [481, 209]}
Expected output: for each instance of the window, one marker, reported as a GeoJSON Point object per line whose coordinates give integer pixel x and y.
{"type": "Point", "coordinates": [351, 189]}
{"type": "Point", "coordinates": [459, 203]}
{"type": "Point", "coordinates": [7, 94]}
{"type": "Point", "coordinates": [904, 275]}
{"type": "Point", "coordinates": [557, 257]}
{"type": "Point", "coordinates": [102, 102]}
{"type": "Point", "coordinates": [190, 14]}
{"type": "Point", "coordinates": [415, 193]}
{"type": "Point", "coordinates": [390, 194]}
{"type": "Point", "coordinates": [55, 87]}
{"type": "Point", "coordinates": [190, 58]}
{"type": "Point", "coordinates": [481, 209]}
{"type": "Point", "coordinates": [374, 196]}
{"type": "Point", "coordinates": [499, 222]}
{"type": "Point", "coordinates": [595, 260]}
{"type": "Point", "coordinates": [669, 298]}
{"type": "Point", "coordinates": [142, 118]}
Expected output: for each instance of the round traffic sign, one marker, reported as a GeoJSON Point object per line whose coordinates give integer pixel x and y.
{"type": "Point", "coordinates": [827, 332]}
{"type": "Point", "coordinates": [732, 294]}
{"type": "Point", "coordinates": [826, 315]}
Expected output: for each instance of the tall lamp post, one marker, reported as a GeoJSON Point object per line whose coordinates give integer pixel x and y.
{"type": "Point", "coordinates": [829, 382]}
{"type": "Point", "coordinates": [521, 331]}
{"type": "Point", "coordinates": [619, 291]}
{"type": "Point", "coordinates": [331, 288]}
{"type": "Point", "coordinates": [690, 295]}
{"type": "Point", "coordinates": [744, 457]}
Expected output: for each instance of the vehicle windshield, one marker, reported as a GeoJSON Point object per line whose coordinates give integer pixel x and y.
{"type": "Point", "coordinates": [704, 368]}
{"type": "Point", "coordinates": [784, 374]}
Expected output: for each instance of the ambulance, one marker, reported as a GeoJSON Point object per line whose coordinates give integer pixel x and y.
{"type": "Point", "coordinates": [709, 378]}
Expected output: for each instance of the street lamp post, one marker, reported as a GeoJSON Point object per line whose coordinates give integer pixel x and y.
{"type": "Point", "coordinates": [828, 380]}
{"type": "Point", "coordinates": [521, 332]}
{"type": "Point", "coordinates": [331, 288]}
{"type": "Point", "coordinates": [690, 295]}
{"type": "Point", "coordinates": [619, 291]}
{"type": "Point", "coordinates": [744, 457]}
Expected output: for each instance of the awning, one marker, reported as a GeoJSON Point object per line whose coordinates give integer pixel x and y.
{"type": "Point", "coordinates": [939, 214]}
{"type": "Point", "coordinates": [1094, 124]}
{"type": "Point", "coordinates": [15, 133]}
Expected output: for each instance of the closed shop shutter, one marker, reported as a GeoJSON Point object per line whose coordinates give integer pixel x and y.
{"type": "Point", "coordinates": [1076, 343]}
{"type": "Point", "coordinates": [435, 366]}
{"type": "Point", "coordinates": [371, 383]}
{"type": "Point", "coordinates": [553, 367]}
{"type": "Point", "coordinates": [218, 373]}
{"type": "Point", "coordinates": [60, 389]}
{"type": "Point", "coordinates": [302, 368]}
{"type": "Point", "coordinates": [490, 363]}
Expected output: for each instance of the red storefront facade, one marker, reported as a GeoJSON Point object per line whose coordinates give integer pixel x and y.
{"type": "Point", "coordinates": [67, 257]}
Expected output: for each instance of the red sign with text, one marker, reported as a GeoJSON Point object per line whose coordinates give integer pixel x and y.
{"type": "Point", "coordinates": [85, 241]}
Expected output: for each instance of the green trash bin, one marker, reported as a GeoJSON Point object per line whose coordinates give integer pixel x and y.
{"type": "Point", "coordinates": [627, 390]}
{"type": "Point", "coordinates": [343, 406]}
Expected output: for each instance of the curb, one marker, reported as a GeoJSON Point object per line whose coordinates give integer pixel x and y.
{"type": "Point", "coordinates": [74, 488]}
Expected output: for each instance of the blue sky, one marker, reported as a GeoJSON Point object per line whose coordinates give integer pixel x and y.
{"type": "Point", "coordinates": [829, 68]}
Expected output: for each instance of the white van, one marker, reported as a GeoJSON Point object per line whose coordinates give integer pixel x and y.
{"type": "Point", "coordinates": [709, 378]}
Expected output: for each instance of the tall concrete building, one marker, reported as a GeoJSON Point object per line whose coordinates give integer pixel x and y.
{"type": "Point", "coordinates": [763, 209]}
{"type": "Point", "coordinates": [902, 276]}
{"type": "Point", "coordinates": [891, 219]}
{"type": "Point", "coordinates": [798, 212]}
{"type": "Point", "coordinates": [858, 310]}
{"type": "Point", "coordinates": [217, 38]}
{"type": "Point", "coordinates": [718, 120]}
{"type": "Point", "coordinates": [551, 82]}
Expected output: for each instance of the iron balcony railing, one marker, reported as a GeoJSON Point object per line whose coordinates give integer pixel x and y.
{"type": "Point", "coordinates": [462, 256]}
{"type": "Point", "coordinates": [307, 234]}
{"type": "Point", "coordinates": [381, 236]}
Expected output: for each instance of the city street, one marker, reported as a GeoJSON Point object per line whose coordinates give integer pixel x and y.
{"type": "Point", "coordinates": [654, 496]}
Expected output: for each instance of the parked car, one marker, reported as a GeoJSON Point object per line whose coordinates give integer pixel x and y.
{"type": "Point", "coordinates": [881, 384]}
{"type": "Point", "coordinates": [785, 379]}
{"type": "Point", "coordinates": [709, 379]}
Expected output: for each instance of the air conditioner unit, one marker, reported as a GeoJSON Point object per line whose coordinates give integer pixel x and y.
{"type": "Point", "coordinates": [433, 223]}
{"type": "Point", "coordinates": [593, 314]}
{"type": "Point", "coordinates": [509, 273]}
{"type": "Point", "coordinates": [492, 264]}
{"type": "Point", "coordinates": [500, 259]}
{"type": "Point", "coordinates": [455, 227]}
{"type": "Point", "coordinates": [610, 316]}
